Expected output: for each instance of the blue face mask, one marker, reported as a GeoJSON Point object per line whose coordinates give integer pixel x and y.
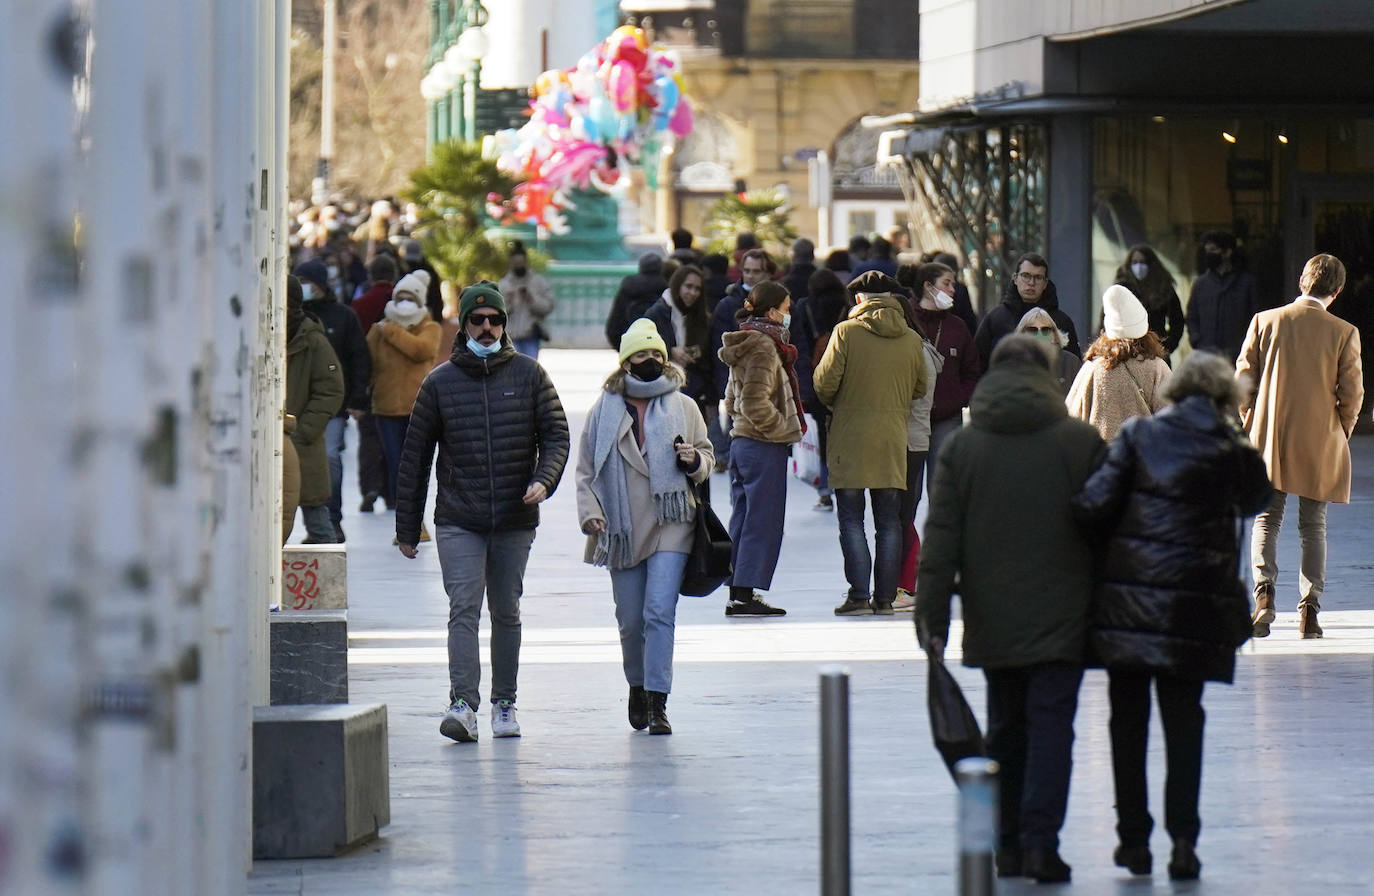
{"type": "Point", "coordinates": [483, 351]}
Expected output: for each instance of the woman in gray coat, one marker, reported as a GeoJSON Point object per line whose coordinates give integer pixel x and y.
{"type": "Point", "coordinates": [643, 441]}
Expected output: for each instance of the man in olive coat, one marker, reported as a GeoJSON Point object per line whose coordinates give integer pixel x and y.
{"type": "Point", "coordinates": [314, 394]}
{"type": "Point", "coordinates": [1001, 532]}
{"type": "Point", "coordinates": [872, 370]}
{"type": "Point", "coordinates": [1307, 387]}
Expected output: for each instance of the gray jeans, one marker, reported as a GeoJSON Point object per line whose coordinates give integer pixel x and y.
{"type": "Point", "coordinates": [1264, 547]}
{"type": "Point", "coordinates": [474, 564]}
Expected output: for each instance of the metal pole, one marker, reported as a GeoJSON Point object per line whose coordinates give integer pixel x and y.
{"type": "Point", "coordinates": [977, 779]}
{"type": "Point", "coordinates": [834, 781]}
{"type": "Point", "coordinates": [327, 95]}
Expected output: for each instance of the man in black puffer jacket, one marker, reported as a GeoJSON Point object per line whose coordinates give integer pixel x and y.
{"type": "Point", "coordinates": [503, 444]}
{"type": "Point", "coordinates": [1030, 287]}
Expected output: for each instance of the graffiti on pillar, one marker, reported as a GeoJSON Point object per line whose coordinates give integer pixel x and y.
{"type": "Point", "coordinates": [300, 580]}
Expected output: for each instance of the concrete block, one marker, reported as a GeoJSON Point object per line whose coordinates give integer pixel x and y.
{"type": "Point", "coordinates": [309, 662]}
{"type": "Point", "coordinates": [314, 577]}
{"type": "Point", "coordinates": [321, 783]}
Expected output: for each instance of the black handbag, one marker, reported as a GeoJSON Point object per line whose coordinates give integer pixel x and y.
{"type": "Point", "coordinates": [708, 563]}
{"type": "Point", "coordinates": [953, 726]}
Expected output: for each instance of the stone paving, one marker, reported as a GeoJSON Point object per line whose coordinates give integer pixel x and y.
{"type": "Point", "coordinates": [730, 802]}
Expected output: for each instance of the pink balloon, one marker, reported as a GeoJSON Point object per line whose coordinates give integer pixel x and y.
{"type": "Point", "coordinates": [681, 122]}
{"type": "Point", "coordinates": [621, 86]}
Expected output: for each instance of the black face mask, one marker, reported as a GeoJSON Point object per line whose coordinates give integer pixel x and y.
{"type": "Point", "coordinates": [519, 271]}
{"type": "Point", "coordinates": [1212, 260]}
{"type": "Point", "coordinates": [647, 371]}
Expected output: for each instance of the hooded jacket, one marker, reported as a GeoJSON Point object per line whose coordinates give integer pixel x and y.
{"type": "Point", "coordinates": [636, 294]}
{"type": "Point", "coordinates": [1172, 492]}
{"type": "Point", "coordinates": [1002, 320]}
{"type": "Point", "coordinates": [1001, 531]}
{"type": "Point", "coordinates": [350, 347]}
{"type": "Point", "coordinates": [401, 356]}
{"type": "Point", "coordinates": [314, 393]}
{"type": "Point", "coordinates": [872, 370]}
{"type": "Point", "coordinates": [499, 427]}
{"type": "Point", "coordinates": [758, 394]}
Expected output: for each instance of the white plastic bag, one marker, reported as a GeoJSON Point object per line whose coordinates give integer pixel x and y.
{"type": "Point", "coordinates": [806, 455]}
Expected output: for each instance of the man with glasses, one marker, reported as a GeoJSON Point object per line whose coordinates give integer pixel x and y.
{"type": "Point", "coordinates": [503, 444]}
{"type": "Point", "coordinates": [1029, 288]}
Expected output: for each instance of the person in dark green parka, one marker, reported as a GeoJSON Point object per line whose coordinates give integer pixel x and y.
{"type": "Point", "coordinates": [314, 394]}
{"type": "Point", "coordinates": [1002, 534]}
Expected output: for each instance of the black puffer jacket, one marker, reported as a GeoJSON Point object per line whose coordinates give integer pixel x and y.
{"type": "Point", "coordinates": [1001, 321]}
{"type": "Point", "coordinates": [500, 428]}
{"type": "Point", "coordinates": [346, 336]}
{"type": "Point", "coordinates": [1169, 597]}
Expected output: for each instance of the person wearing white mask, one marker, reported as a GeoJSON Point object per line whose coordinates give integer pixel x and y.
{"type": "Point", "coordinates": [1038, 323]}
{"type": "Point", "coordinates": [1145, 275]}
{"type": "Point", "coordinates": [402, 344]}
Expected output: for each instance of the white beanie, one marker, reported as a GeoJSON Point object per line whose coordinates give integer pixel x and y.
{"type": "Point", "coordinates": [416, 283]}
{"type": "Point", "coordinates": [1123, 317]}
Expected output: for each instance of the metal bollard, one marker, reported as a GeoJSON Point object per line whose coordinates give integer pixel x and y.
{"type": "Point", "coordinates": [834, 781]}
{"type": "Point", "coordinates": [977, 779]}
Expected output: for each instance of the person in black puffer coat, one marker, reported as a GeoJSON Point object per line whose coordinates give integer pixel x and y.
{"type": "Point", "coordinates": [1169, 604]}
{"type": "Point", "coordinates": [637, 293]}
{"type": "Point", "coordinates": [503, 443]}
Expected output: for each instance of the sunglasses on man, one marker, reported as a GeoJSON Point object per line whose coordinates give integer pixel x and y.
{"type": "Point", "coordinates": [478, 319]}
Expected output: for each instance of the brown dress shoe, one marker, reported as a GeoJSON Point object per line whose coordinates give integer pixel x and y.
{"type": "Point", "coordinates": [1307, 623]}
{"type": "Point", "coordinates": [1264, 609]}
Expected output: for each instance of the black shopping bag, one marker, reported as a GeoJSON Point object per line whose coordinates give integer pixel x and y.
{"type": "Point", "coordinates": [708, 564]}
{"type": "Point", "coordinates": [952, 723]}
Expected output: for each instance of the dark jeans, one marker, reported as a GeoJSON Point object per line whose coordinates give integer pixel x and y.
{"type": "Point", "coordinates": [1030, 734]}
{"type": "Point", "coordinates": [911, 500]}
{"type": "Point", "coordinates": [372, 477]}
{"type": "Point", "coordinates": [392, 432]}
{"type": "Point", "coordinates": [859, 565]}
{"type": "Point", "coordinates": [758, 489]}
{"type": "Point", "coordinates": [1180, 709]}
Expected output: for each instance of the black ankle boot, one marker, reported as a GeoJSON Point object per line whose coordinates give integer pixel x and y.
{"type": "Point", "coordinates": [1045, 866]}
{"type": "Point", "coordinates": [1184, 864]}
{"type": "Point", "coordinates": [639, 708]}
{"type": "Point", "coordinates": [658, 713]}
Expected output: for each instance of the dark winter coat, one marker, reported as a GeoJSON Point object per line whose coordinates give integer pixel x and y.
{"type": "Point", "coordinates": [499, 427]}
{"type": "Point", "coordinates": [1219, 311]}
{"type": "Point", "coordinates": [636, 294]}
{"type": "Point", "coordinates": [346, 338]}
{"type": "Point", "coordinates": [959, 375]}
{"type": "Point", "coordinates": [797, 279]}
{"type": "Point", "coordinates": [700, 384]}
{"type": "Point", "coordinates": [1172, 492]}
{"type": "Point", "coordinates": [722, 322]}
{"type": "Point", "coordinates": [1164, 310]}
{"type": "Point", "coordinates": [1000, 529]}
{"type": "Point", "coordinates": [1002, 320]}
{"type": "Point", "coordinates": [314, 393]}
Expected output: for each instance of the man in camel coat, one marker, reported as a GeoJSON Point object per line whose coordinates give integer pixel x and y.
{"type": "Point", "coordinates": [1300, 410]}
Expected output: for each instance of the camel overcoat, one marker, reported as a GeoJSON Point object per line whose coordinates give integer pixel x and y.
{"type": "Point", "coordinates": [872, 370]}
{"type": "Point", "coordinates": [401, 359]}
{"type": "Point", "coordinates": [1306, 394]}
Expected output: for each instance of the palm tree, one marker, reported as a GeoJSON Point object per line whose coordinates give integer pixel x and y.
{"type": "Point", "coordinates": [761, 212]}
{"type": "Point", "coordinates": [451, 192]}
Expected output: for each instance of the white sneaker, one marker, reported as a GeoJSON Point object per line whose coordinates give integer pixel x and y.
{"type": "Point", "coordinates": [905, 602]}
{"type": "Point", "coordinates": [460, 723]}
{"type": "Point", "coordinates": [503, 721]}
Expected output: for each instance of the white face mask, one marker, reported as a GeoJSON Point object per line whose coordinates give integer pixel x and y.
{"type": "Point", "coordinates": [1139, 269]}
{"type": "Point", "coordinates": [307, 292]}
{"type": "Point", "coordinates": [407, 307]}
{"type": "Point", "coordinates": [943, 300]}
{"type": "Point", "coordinates": [333, 272]}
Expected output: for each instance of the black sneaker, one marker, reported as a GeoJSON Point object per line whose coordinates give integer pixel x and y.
{"type": "Point", "coordinates": [754, 606]}
{"type": "Point", "coordinates": [368, 500]}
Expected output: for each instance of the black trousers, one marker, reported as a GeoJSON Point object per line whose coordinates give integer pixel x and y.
{"type": "Point", "coordinates": [1180, 709]}
{"type": "Point", "coordinates": [1030, 734]}
{"type": "Point", "coordinates": [372, 470]}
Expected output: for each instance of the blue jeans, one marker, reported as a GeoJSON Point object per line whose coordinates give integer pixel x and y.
{"type": "Point", "coordinates": [472, 565]}
{"type": "Point", "coordinates": [859, 565]}
{"type": "Point", "coordinates": [758, 490]}
{"type": "Point", "coordinates": [1030, 734]}
{"type": "Point", "coordinates": [646, 611]}
{"type": "Point", "coordinates": [392, 431]}
{"type": "Point", "coordinates": [528, 346]}
{"type": "Point", "coordinates": [334, 448]}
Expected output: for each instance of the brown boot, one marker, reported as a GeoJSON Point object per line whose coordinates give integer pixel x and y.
{"type": "Point", "coordinates": [1264, 609]}
{"type": "Point", "coordinates": [1307, 623]}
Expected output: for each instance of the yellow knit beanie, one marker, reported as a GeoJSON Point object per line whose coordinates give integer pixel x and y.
{"type": "Point", "coordinates": [641, 336]}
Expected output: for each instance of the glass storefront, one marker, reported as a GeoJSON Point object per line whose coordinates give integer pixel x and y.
{"type": "Point", "coordinates": [1287, 188]}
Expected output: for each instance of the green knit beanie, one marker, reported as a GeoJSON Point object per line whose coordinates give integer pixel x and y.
{"type": "Point", "coordinates": [480, 295]}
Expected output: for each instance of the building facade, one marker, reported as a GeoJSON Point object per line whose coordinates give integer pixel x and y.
{"type": "Point", "coordinates": [1080, 129]}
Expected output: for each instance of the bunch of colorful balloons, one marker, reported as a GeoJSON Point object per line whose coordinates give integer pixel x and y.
{"type": "Point", "coordinates": [588, 126]}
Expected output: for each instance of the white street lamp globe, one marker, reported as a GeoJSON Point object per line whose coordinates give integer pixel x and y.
{"type": "Point", "coordinates": [455, 59]}
{"type": "Point", "coordinates": [429, 89]}
{"type": "Point", "coordinates": [474, 43]}
{"type": "Point", "coordinates": [445, 75]}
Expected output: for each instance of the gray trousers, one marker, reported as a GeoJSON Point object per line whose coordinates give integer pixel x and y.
{"type": "Point", "coordinates": [1264, 547]}
{"type": "Point", "coordinates": [472, 565]}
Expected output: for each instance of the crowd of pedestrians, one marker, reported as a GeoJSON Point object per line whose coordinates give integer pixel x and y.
{"type": "Point", "coordinates": [1086, 507]}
